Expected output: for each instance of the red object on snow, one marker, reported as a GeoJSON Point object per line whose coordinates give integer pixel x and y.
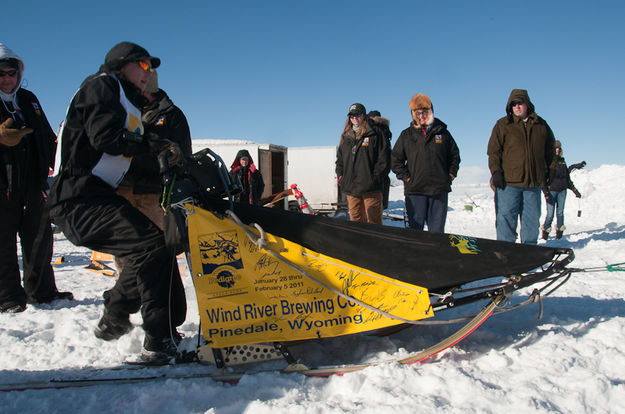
{"type": "Point", "coordinates": [301, 200]}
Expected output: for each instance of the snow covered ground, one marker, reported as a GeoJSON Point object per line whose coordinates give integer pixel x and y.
{"type": "Point", "coordinates": [572, 360]}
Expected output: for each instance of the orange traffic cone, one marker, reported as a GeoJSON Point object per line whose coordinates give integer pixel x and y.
{"type": "Point", "coordinates": [301, 200]}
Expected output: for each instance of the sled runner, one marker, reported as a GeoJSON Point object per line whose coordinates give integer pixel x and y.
{"type": "Point", "coordinates": [267, 278]}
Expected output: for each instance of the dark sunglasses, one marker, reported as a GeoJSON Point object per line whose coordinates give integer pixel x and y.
{"type": "Point", "coordinates": [8, 73]}
{"type": "Point", "coordinates": [145, 65]}
{"type": "Point", "coordinates": [355, 115]}
{"type": "Point", "coordinates": [515, 103]}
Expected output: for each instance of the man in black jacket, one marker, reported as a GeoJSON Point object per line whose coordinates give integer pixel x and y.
{"type": "Point", "coordinates": [101, 134]}
{"type": "Point", "coordinates": [426, 158]}
{"type": "Point", "coordinates": [27, 149]}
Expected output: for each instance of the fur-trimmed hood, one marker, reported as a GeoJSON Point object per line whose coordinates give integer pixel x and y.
{"type": "Point", "coordinates": [380, 120]}
{"type": "Point", "coordinates": [6, 53]}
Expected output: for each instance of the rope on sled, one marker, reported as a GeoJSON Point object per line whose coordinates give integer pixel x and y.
{"type": "Point", "coordinates": [262, 243]}
{"type": "Point", "coordinates": [616, 267]}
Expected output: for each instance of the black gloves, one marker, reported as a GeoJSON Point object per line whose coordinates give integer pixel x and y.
{"type": "Point", "coordinates": [548, 197]}
{"type": "Point", "coordinates": [166, 148]}
{"type": "Point", "coordinates": [498, 180]}
{"type": "Point", "coordinates": [158, 146]}
{"type": "Point", "coordinates": [577, 194]}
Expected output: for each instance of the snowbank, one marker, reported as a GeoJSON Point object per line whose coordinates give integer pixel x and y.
{"type": "Point", "coordinates": [572, 360]}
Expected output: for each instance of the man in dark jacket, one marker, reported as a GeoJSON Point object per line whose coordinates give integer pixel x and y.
{"type": "Point", "coordinates": [519, 150]}
{"type": "Point", "coordinates": [555, 194]}
{"type": "Point", "coordinates": [362, 162]}
{"type": "Point", "coordinates": [101, 134]}
{"type": "Point", "coordinates": [252, 184]}
{"type": "Point", "coordinates": [27, 149]}
{"type": "Point", "coordinates": [426, 158]}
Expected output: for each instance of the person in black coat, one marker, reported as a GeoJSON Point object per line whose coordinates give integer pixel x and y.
{"type": "Point", "coordinates": [27, 150]}
{"type": "Point", "coordinates": [101, 134]}
{"type": "Point", "coordinates": [426, 158]}
{"type": "Point", "coordinates": [555, 193]}
{"type": "Point", "coordinates": [252, 183]}
{"type": "Point", "coordinates": [376, 119]}
{"type": "Point", "coordinates": [362, 163]}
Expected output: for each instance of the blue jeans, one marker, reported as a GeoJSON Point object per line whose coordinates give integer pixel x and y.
{"type": "Point", "coordinates": [559, 198]}
{"type": "Point", "coordinates": [514, 203]}
{"type": "Point", "coordinates": [422, 209]}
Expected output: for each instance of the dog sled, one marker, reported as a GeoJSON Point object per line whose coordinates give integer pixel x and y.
{"type": "Point", "coordinates": [268, 279]}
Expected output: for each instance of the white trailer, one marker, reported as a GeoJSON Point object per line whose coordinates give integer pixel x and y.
{"type": "Point", "coordinates": [270, 159]}
{"type": "Point", "coordinates": [312, 169]}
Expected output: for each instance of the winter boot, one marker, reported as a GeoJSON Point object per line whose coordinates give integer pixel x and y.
{"type": "Point", "coordinates": [559, 232]}
{"type": "Point", "coordinates": [12, 306]}
{"type": "Point", "coordinates": [545, 232]}
{"type": "Point", "coordinates": [159, 350]}
{"type": "Point", "coordinates": [111, 327]}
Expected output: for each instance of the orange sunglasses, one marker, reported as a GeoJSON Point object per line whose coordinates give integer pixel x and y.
{"type": "Point", "coordinates": [145, 65]}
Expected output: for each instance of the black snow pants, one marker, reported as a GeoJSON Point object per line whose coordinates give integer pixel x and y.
{"type": "Point", "coordinates": [23, 215]}
{"type": "Point", "coordinates": [149, 280]}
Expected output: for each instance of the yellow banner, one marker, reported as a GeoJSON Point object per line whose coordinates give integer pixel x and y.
{"type": "Point", "coordinates": [246, 295]}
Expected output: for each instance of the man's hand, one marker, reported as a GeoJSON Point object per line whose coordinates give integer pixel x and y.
{"type": "Point", "coordinates": [164, 147]}
{"type": "Point", "coordinates": [11, 136]}
{"type": "Point", "coordinates": [498, 180]}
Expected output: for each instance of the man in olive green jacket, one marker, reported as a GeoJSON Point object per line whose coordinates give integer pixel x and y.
{"type": "Point", "coordinates": [519, 151]}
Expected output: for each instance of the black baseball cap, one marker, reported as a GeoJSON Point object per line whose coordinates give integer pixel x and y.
{"type": "Point", "coordinates": [356, 109]}
{"type": "Point", "coordinates": [125, 52]}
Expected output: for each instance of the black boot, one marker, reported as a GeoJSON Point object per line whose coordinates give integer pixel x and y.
{"type": "Point", "coordinates": [559, 232]}
{"type": "Point", "coordinates": [110, 327]}
{"type": "Point", "coordinates": [12, 306]}
{"type": "Point", "coordinates": [160, 350]}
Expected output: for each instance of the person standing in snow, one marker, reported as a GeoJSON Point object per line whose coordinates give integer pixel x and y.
{"type": "Point", "coordinates": [426, 158]}
{"type": "Point", "coordinates": [555, 192]}
{"type": "Point", "coordinates": [27, 150]}
{"type": "Point", "coordinates": [252, 183]}
{"type": "Point", "coordinates": [375, 118]}
{"type": "Point", "coordinates": [362, 162]}
{"type": "Point", "coordinates": [519, 151]}
{"type": "Point", "coordinates": [102, 132]}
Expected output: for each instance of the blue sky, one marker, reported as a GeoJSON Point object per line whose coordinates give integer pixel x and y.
{"type": "Point", "coordinates": [285, 72]}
